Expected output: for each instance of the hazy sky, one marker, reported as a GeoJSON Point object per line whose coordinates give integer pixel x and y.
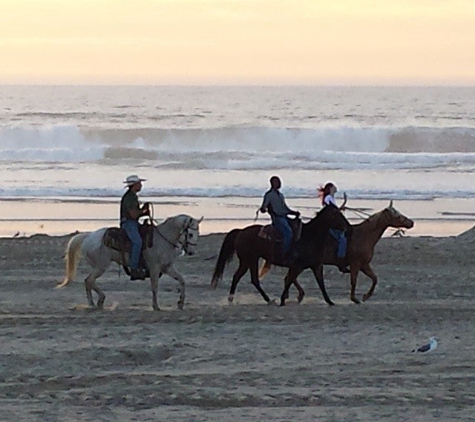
{"type": "Point", "coordinates": [238, 41]}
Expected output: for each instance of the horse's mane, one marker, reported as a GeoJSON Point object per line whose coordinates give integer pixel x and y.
{"type": "Point", "coordinates": [315, 222]}
{"type": "Point", "coordinates": [372, 219]}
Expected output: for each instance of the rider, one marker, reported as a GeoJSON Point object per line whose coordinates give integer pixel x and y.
{"type": "Point", "coordinates": [274, 204]}
{"type": "Point", "coordinates": [130, 212]}
{"type": "Point", "coordinates": [327, 193]}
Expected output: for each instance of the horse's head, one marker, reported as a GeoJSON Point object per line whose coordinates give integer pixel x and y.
{"type": "Point", "coordinates": [396, 219]}
{"type": "Point", "coordinates": [189, 229]}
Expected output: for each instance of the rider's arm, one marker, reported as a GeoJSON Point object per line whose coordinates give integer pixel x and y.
{"type": "Point", "coordinates": [343, 206]}
{"type": "Point", "coordinates": [133, 208]}
{"type": "Point", "coordinates": [265, 203]}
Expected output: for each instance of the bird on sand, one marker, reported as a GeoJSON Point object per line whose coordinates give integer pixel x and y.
{"type": "Point", "coordinates": [429, 347]}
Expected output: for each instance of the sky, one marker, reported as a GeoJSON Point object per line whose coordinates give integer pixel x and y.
{"type": "Point", "coordinates": [238, 42]}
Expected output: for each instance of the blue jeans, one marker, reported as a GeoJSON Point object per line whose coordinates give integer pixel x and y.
{"type": "Point", "coordinates": [340, 236]}
{"type": "Point", "coordinates": [282, 224]}
{"type": "Point", "coordinates": [131, 227]}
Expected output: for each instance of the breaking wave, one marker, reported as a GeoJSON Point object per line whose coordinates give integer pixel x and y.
{"type": "Point", "coordinates": [245, 147]}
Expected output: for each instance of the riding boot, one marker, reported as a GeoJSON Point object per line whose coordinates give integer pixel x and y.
{"type": "Point", "coordinates": [137, 274]}
{"type": "Point", "coordinates": [342, 266]}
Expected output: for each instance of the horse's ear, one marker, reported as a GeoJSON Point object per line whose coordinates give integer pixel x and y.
{"type": "Point", "coordinates": [391, 203]}
{"type": "Point", "coordinates": [200, 220]}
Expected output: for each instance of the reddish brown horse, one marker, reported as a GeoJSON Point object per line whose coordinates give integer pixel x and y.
{"type": "Point", "coordinates": [361, 243]}
{"type": "Point", "coordinates": [249, 247]}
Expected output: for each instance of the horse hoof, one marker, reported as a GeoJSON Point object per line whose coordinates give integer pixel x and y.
{"type": "Point", "coordinates": [156, 308]}
{"type": "Point", "coordinates": [272, 302]}
{"type": "Point", "coordinates": [331, 303]}
{"type": "Point", "coordinates": [230, 298]}
{"type": "Point", "coordinates": [366, 297]}
{"type": "Point", "coordinates": [354, 300]}
{"type": "Point", "coordinates": [180, 305]}
{"type": "Point", "coordinates": [300, 298]}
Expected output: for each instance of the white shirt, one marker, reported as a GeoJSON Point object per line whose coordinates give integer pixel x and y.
{"type": "Point", "coordinates": [329, 199]}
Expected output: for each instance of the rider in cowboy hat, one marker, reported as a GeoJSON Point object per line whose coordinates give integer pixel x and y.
{"type": "Point", "coordinates": [130, 212]}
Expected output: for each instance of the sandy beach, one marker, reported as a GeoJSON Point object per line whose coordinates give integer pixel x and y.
{"type": "Point", "coordinates": [242, 362]}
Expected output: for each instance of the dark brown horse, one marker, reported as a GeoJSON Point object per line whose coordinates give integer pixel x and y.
{"type": "Point", "coordinates": [249, 247]}
{"type": "Point", "coordinates": [361, 243]}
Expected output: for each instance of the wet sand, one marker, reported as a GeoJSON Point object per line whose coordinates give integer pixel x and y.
{"type": "Point", "coordinates": [242, 362]}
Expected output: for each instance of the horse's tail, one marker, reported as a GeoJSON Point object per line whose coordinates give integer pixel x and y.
{"type": "Point", "coordinates": [225, 256]}
{"type": "Point", "coordinates": [73, 253]}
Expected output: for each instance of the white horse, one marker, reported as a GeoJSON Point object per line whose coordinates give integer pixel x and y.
{"type": "Point", "coordinates": [171, 238]}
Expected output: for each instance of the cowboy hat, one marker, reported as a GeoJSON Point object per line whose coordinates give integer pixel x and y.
{"type": "Point", "coordinates": [133, 179]}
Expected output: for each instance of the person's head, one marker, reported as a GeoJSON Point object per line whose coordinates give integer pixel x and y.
{"type": "Point", "coordinates": [328, 189]}
{"type": "Point", "coordinates": [275, 182]}
{"type": "Point", "coordinates": [134, 183]}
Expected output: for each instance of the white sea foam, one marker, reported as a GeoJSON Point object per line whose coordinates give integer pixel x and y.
{"type": "Point", "coordinates": [245, 147]}
{"type": "Point", "coordinates": [414, 143]}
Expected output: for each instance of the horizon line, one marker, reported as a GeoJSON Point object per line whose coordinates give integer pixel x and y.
{"type": "Point", "coordinates": [249, 85]}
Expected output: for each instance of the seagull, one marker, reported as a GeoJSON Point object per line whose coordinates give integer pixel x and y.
{"type": "Point", "coordinates": [432, 345]}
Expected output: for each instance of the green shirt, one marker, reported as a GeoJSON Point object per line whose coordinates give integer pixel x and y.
{"type": "Point", "coordinates": [129, 202]}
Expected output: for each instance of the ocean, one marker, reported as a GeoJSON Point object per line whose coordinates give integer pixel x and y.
{"type": "Point", "coordinates": [210, 151]}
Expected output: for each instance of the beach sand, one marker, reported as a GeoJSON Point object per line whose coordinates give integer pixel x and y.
{"type": "Point", "coordinates": [242, 362]}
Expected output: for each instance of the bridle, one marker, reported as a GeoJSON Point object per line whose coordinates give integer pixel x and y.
{"type": "Point", "coordinates": [181, 244]}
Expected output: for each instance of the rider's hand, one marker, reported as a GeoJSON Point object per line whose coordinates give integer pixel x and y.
{"type": "Point", "coordinates": [262, 210]}
{"type": "Point", "coordinates": [297, 214]}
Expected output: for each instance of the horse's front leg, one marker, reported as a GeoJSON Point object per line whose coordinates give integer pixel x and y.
{"type": "Point", "coordinates": [354, 270]}
{"type": "Point", "coordinates": [370, 273]}
{"type": "Point", "coordinates": [299, 288]}
{"type": "Point", "coordinates": [155, 275]}
{"type": "Point", "coordinates": [290, 278]}
{"type": "Point", "coordinates": [318, 273]}
{"type": "Point", "coordinates": [178, 277]}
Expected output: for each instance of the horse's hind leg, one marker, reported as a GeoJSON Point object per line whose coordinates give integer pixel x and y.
{"type": "Point", "coordinates": [300, 290]}
{"type": "Point", "coordinates": [236, 277]}
{"type": "Point", "coordinates": [90, 283]}
{"type": "Point", "coordinates": [370, 273]}
{"type": "Point", "coordinates": [255, 280]}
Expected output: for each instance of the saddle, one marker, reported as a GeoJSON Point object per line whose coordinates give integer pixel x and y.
{"type": "Point", "coordinates": [117, 239]}
{"type": "Point", "coordinates": [271, 234]}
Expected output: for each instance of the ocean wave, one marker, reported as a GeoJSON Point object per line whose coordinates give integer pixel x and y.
{"type": "Point", "coordinates": [244, 147]}
{"type": "Point", "coordinates": [225, 191]}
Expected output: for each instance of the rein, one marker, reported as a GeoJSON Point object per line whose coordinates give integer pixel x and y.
{"type": "Point", "coordinates": [183, 245]}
